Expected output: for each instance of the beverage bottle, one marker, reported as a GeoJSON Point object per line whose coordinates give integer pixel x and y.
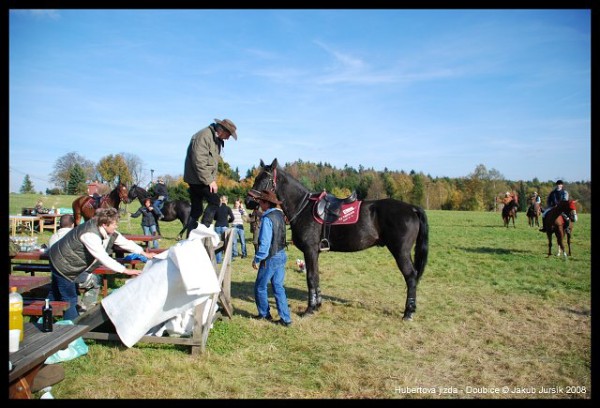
{"type": "Point", "coordinates": [15, 311]}
{"type": "Point", "coordinates": [47, 317]}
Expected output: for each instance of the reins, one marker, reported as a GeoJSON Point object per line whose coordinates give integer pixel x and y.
{"type": "Point", "coordinates": [273, 181]}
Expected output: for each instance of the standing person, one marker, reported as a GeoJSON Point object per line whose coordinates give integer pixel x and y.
{"type": "Point", "coordinates": [83, 249]}
{"type": "Point", "coordinates": [223, 217]}
{"type": "Point", "coordinates": [162, 194]}
{"type": "Point", "coordinates": [66, 224]}
{"type": "Point", "coordinates": [270, 259]}
{"type": "Point", "coordinates": [200, 169]}
{"type": "Point", "coordinates": [147, 211]}
{"type": "Point", "coordinates": [255, 226]}
{"type": "Point", "coordinates": [557, 195]}
{"type": "Point", "coordinates": [239, 213]}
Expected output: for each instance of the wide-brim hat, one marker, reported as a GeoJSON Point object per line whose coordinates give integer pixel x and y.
{"type": "Point", "coordinates": [265, 195]}
{"type": "Point", "coordinates": [229, 125]}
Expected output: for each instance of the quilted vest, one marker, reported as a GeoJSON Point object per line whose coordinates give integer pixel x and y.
{"type": "Point", "coordinates": [70, 257]}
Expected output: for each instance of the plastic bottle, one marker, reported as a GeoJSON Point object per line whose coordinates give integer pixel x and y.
{"type": "Point", "coordinates": [47, 317]}
{"type": "Point", "coordinates": [15, 311]}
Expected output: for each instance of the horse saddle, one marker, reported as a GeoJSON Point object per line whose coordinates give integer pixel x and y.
{"type": "Point", "coordinates": [332, 210]}
{"type": "Point", "coordinates": [94, 201]}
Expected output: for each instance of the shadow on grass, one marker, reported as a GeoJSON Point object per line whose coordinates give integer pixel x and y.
{"type": "Point", "coordinates": [490, 250]}
{"type": "Point", "coordinates": [245, 291]}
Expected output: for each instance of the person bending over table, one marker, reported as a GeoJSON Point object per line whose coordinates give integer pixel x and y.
{"type": "Point", "coordinates": [87, 246]}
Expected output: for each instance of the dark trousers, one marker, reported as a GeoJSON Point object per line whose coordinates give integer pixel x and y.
{"type": "Point", "coordinates": [199, 193]}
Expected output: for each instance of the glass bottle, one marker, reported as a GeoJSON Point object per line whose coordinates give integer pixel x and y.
{"type": "Point", "coordinates": [47, 317]}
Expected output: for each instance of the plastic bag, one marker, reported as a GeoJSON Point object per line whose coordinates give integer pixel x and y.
{"type": "Point", "coordinates": [131, 257]}
{"type": "Point", "coordinates": [75, 349]}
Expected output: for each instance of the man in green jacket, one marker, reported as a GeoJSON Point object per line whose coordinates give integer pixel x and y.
{"type": "Point", "coordinates": [200, 170]}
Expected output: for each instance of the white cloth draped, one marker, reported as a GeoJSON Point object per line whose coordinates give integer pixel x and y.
{"type": "Point", "coordinates": [169, 287]}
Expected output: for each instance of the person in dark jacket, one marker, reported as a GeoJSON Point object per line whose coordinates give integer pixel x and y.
{"type": "Point", "coordinates": [162, 194]}
{"type": "Point", "coordinates": [147, 211]}
{"type": "Point", "coordinates": [83, 249]}
{"type": "Point", "coordinates": [270, 259]}
{"type": "Point", "coordinates": [223, 217]}
{"type": "Point", "coordinates": [200, 169]}
{"type": "Point", "coordinates": [555, 196]}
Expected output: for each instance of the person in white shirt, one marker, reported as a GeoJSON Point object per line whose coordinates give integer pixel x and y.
{"type": "Point", "coordinates": [74, 257]}
{"type": "Point", "coordinates": [67, 221]}
{"type": "Point", "coordinates": [239, 213]}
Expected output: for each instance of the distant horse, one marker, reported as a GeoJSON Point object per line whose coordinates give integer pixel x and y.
{"type": "Point", "coordinates": [172, 210]}
{"type": "Point", "coordinates": [555, 224]}
{"type": "Point", "coordinates": [533, 214]}
{"type": "Point", "coordinates": [509, 211]}
{"type": "Point", "coordinates": [85, 205]}
{"type": "Point", "coordinates": [387, 222]}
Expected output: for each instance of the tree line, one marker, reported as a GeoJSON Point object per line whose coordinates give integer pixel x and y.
{"type": "Point", "coordinates": [480, 190]}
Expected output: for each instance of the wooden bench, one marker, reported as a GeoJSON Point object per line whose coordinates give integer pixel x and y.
{"type": "Point", "coordinates": [31, 268]}
{"type": "Point", "coordinates": [34, 308]}
{"type": "Point", "coordinates": [36, 347]}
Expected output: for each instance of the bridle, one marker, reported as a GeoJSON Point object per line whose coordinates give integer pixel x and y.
{"type": "Point", "coordinates": [272, 180]}
{"type": "Point", "coordinates": [123, 196]}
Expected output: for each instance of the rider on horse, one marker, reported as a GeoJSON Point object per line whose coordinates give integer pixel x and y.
{"type": "Point", "coordinates": [555, 196]}
{"type": "Point", "coordinates": [508, 197]}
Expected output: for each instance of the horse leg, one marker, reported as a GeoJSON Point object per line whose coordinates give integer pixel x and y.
{"type": "Point", "coordinates": [569, 242]}
{"type": "Point", "coordinates": [410, 277]}
{"type": "Point", "coordinates": [559, 241]}
{"type": "Point", "coordinates": [549, 234]}
{"type": "Point", "coordinates": [311, 259]}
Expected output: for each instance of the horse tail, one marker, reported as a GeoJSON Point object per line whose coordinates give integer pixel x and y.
{"type": "Point", "coordinates": [422, 243]}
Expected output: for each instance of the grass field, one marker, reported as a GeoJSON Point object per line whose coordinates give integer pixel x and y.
{"type": "Point", "coordinates": [495, 319]}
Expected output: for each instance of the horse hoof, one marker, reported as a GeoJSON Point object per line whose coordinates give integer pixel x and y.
{"type": "Point", "coordinates": [309, 311]}
{"type": "Point", "coordinates": [407, 318]}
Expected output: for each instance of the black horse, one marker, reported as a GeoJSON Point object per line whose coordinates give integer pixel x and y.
{"type": "Point", "coordinates": [172, 210]}
{"type": "Point", "coordinates": [395, 224]}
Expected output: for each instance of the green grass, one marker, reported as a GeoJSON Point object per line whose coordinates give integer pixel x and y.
{"type": "Point", "coordinates": [492, 311]}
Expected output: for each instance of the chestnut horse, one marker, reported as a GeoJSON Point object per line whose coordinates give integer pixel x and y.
{"type": "Point", "coordinates": [554, 222]}
{"type": "Point", "coordinates": [509, 211]}
{"type": "Point", "coordinates": [85, 205]}
{"type": "Point", "coordinates": [533, 214]}
{"type": "Point", "coordinates": [399, 226]}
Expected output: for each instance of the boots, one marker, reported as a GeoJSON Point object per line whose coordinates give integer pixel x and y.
{"type": "Point", "coordinates": [543, 229]}
{"type": "Point", "coordinates": [209, 215]}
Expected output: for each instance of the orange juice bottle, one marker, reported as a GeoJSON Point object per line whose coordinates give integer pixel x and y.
{"type": "Point", "coordinates": [15, 311]}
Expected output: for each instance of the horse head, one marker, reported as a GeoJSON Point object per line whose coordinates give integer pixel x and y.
{"type": "Point", "coordinates": [123, 192]}
{"type": "Point", "coordinates": [265, 180]}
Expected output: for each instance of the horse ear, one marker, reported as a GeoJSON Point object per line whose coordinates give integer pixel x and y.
{"type": "Point", "coordinates": [262, 163]}
{"type": "Point", "coordinates": [274, 164]}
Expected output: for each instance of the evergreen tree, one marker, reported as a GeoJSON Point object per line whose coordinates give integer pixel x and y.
{"type": "Point", "coordinates": [27, 186]}
{"type": "Point", "coordinates": [76, 179]}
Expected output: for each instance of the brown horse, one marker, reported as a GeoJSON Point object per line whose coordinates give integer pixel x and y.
{"type": "Point", "coordinates": [554, 221]}
{"type": "Point", "coordinates": [85, 206]}
{"type": "Point", "coordinates": [533, 214]}
{"type": "Point", "coordinates": [509, 211]}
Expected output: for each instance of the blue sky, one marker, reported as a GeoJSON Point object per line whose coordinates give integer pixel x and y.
{"type": "Point", "coordinates": [434, 91]}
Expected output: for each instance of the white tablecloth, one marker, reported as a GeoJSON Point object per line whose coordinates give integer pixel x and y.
{"type": "Point", "coordinates": [169, 287]}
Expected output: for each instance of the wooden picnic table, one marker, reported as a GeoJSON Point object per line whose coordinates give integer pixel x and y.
{"type": "Point", "coordinates": [27, 283]}
{"type": "Point", "coordinates": [31, 256]}
{"type": "Point", "coordinates": [53, 223]}
{"type": "Point", "coordinates": [35, 348]}
{"type": "Point", "coordinates": [141, 238]}
{"type": "Point", "coordinates": [25, 221]}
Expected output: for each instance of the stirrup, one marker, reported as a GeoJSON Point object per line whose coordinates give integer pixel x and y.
{"type": "Point", "coordinates": [324, 245]}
